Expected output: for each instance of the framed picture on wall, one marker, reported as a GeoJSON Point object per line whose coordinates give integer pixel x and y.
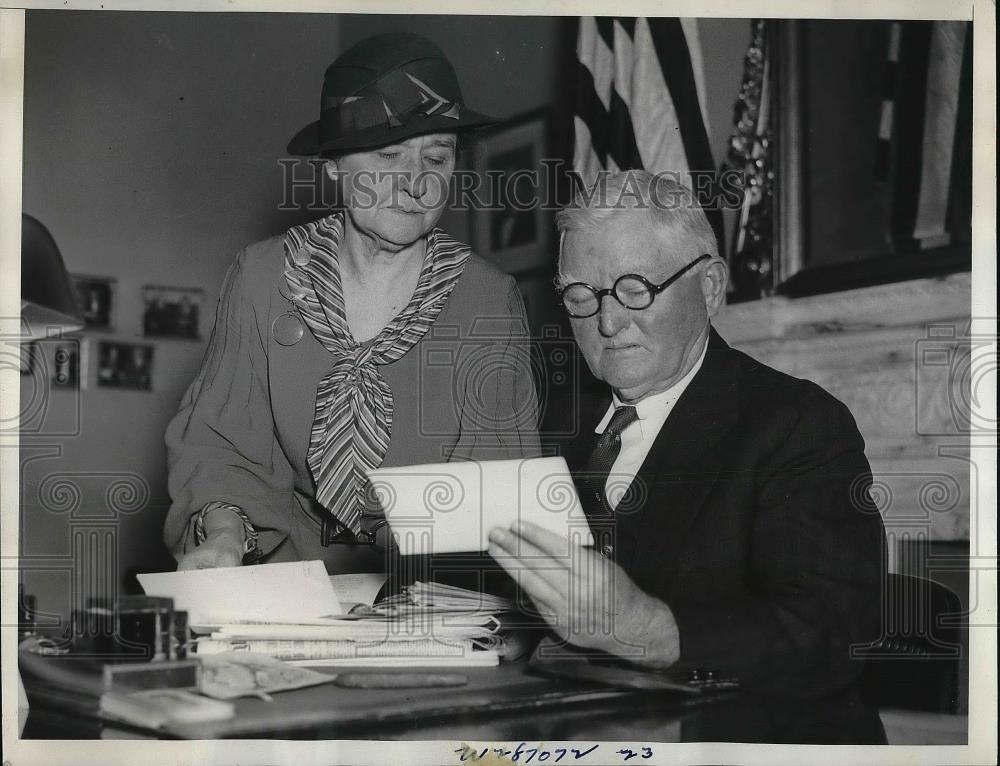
{"type": "Point", "coordinates": [125, 365]}
{"type": "Point", "coordinates": [171, 312]}
{"type": "Point", "coordinates": [96, 298]}
{"type": "Point", "coordinates": [510, 226]}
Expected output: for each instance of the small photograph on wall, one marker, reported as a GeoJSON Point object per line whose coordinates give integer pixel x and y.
{"type": "Point", "coordinates": [96, 298]}
{"type": "Point", "coordinates": [125, 365]}
{"type": "Point", "coordinates": [171, 312]}
{"type": "Point", "coordinates": [68, 363]}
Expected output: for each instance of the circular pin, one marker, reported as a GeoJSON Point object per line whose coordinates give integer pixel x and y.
{"type": "Point", "coordinates": [301, 257]}
{"type": "Point", "coordinates": [287, 329]}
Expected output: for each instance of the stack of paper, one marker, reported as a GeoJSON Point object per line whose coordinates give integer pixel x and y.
{"type": "Point", "coordinates": [428, 624]}
{"type": "Point", "coordinates": [403, 634]}
{"type": "Point", "coordinates": [437, 598]}
{"type": "Point", "coordinates": [423, 651]}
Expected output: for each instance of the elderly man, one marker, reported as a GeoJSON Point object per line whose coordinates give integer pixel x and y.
{"type": "Point", "coordinates": [730, 501]}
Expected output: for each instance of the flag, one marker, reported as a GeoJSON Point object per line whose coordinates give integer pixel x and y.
{"type": "Point", "coordinates": [640, 102]}
{"type": "Point", "coordinates": [927, 127]}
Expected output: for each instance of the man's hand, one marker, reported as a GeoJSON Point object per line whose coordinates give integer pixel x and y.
{"type": "Point", "coordinates": [587, 599]}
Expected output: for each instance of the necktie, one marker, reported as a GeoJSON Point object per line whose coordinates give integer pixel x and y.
{"type": "Point", "coordinates": [602, 459]}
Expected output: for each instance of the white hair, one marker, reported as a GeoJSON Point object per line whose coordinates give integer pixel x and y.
{"type": "Point", "coordinates": [670, 204]}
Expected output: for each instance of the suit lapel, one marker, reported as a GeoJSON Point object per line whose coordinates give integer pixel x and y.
{"type": "Point", "coordinates": [683, 464]}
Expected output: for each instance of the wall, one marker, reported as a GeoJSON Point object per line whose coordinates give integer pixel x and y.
{"type": "Point", "coordinates": [151, 147]}
{"type": "Point", "coordinates": [150, 153]}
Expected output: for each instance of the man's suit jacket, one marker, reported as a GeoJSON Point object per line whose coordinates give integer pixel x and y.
{"type": "Point", "coordinates": [751, 519]}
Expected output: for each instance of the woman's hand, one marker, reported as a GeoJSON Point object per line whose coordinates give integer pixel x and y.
{"type": "Point", "coordinates": [219, 550]}
{"type": "Point", "coordinates": [223, 545]}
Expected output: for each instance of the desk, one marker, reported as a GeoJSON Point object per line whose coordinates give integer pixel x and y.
{"type": "Point", "coordinates": [506, 704]}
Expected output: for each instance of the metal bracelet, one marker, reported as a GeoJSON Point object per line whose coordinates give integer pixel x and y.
{"type": "Point", "coordinates": [251, 550]}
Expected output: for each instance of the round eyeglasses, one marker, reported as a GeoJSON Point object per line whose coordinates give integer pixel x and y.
{"type": "Point", "coordinates": [633, 291]}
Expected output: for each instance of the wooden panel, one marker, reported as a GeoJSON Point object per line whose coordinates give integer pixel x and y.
{"type": "Point", "coordinates": [898, 356]}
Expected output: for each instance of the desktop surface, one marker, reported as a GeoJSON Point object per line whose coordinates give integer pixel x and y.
{"type": "Point", "coordinates": [508, 703]}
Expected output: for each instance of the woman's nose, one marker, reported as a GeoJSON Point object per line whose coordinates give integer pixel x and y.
{"type": "Point", "coordinates": [411, 178]}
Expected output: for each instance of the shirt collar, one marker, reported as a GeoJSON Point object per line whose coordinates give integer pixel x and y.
{"type": "Point", "coordinates": [655, 405]}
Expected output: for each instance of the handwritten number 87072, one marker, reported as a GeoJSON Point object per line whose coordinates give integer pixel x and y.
{"type": "Point", "coordinates": [524, 754]}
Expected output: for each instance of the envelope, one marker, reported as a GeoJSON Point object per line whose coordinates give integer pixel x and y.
{"type": "Point", "coordinates": [451, 507]}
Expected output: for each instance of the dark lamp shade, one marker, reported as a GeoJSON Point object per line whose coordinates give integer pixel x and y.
{"type": "Point", "coordinates": [48, 305]}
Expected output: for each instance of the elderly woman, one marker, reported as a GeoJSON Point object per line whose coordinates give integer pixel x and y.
{"type": "Point", "coordinates": [367, 338]}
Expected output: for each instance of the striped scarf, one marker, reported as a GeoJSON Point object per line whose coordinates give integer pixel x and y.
{"type": "Point", "coordinates": [353, 418]}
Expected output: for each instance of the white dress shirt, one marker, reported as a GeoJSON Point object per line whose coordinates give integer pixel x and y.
{"type": "Point", "coordinates": [638, 437]}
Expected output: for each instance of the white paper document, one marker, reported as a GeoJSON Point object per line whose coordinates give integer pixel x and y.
{"type": "Point", "coordinates": [267, 592]}
{"type": "Point", "coordinates": [360, 588]}
{"type": "Point", "coordinates": [451, 507]}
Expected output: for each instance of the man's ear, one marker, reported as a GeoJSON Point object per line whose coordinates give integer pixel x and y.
{"type": "Point", "coordinates": [714, 280]}
{"type": "Point", "coordinates": [332, 169]}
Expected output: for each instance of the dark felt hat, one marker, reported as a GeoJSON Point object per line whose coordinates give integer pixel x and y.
{"type": "Point", "coordinates": [385, 89]}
